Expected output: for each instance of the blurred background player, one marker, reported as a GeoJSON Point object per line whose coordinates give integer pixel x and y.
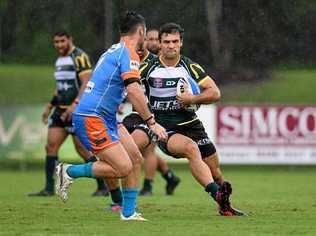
{"type": "Point", "coordinates": [186, 135]}
{"type": "Point", "coordinates": [134, 121]}
{"type": "Point", "coordinates": [72, 72]}
{"type": "Point", "coordinates": [96, 123]}
{"type": "Point", "coordinates": [152, 40]}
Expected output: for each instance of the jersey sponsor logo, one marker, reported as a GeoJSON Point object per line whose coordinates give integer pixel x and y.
{"type": "Point", "coordinates": [157, 82]}
{"type": "Point", "coordinates": [166, 105]}
{"type": "Point", "coordinates": [82, 61]}
{"type": "Point", "coordinates": [134, 65]}
{"type": "Point", "coordinates": [89, 87]}
{"type": "Point", "coordinates": [170, 83]}
{"type": "Point", "coordinates": [63, 86]}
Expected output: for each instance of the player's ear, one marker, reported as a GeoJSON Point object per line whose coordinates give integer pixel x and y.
{"type": "Point", "coordinates": [181, 42]}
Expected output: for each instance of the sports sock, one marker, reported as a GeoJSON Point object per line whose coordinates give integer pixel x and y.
{"type": "Point", "coordinates": [116, 196]}
{"type": "Point", "coordinates": [129, 201]}
{"type": "Point", "coordinates": [100, 182]}
{"type": "Point", "coordinates": [148, 184]}
{"type": "Point", "coordinates": [211, 189]}
{"type": "Point", "coordinates": [168, 175]}
{"type": "Point", "coordinates": [50, 164]}
{"type": "Point", "coordinates": [82, 170]}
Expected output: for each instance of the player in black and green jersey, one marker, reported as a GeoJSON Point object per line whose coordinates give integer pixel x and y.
{"type": "Point", "coordinates": [137, 127]}
{"type": "Point", "coordinates": [72, 72]}
{"type": "Point", "coordinates": [187, 136]}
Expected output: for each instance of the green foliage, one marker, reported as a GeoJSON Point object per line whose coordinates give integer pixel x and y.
{"type": "Point", "coordinates": [273, 194]}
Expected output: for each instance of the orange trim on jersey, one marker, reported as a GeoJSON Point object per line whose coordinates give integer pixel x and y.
{"type": "Point", "coordinates": [97, 134]}
{"type": "Point", "coordinates": [130, 74]}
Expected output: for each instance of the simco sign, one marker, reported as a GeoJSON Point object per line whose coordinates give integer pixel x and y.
{"type": "Point", "coordinates": [266, 134]}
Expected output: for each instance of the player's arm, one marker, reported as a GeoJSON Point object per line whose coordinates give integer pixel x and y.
{"type": "Point", "coordinates": [210, 93]}
{"type": "Point", "coordinates": [137, 97]}
{"type": "Point", "coordinates": [49, 106]}
{"type": "Point", "coordinates": [84, 70]}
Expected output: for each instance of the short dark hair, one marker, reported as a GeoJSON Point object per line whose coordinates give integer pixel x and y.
{"type": "Point", "coordinates": [130, 21]}
{"type": "Point", "coordinates": [61, 32]}
{"type": "Point", "coordinates": [152, 29]}
{"type": "Point", "coordinates": [169, 28]}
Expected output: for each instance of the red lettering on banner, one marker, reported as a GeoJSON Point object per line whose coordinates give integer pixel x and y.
{"type": "Point", "coordinates": [266, 125]}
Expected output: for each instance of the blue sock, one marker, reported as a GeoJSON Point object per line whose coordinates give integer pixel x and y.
{"type": "Point", "coordinates": [129, 201]}
{"type": "Point", "coordinates": [82, 170]}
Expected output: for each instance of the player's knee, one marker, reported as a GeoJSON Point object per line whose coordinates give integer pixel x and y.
{"type": "Point", "coordinates": [51, 148]}
{"type": "Point", "coordinates": [191, 150]}
{"type": "Point", "coordinates": [124, 169]}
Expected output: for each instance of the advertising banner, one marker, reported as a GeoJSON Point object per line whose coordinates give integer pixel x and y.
{"type": "Point", "coordinates": [275, 134]}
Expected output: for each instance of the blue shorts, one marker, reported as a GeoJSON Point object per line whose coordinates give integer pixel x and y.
{"type": "Point", "coordinates": [94, 132]}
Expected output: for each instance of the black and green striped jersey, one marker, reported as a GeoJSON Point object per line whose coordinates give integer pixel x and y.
{"type": "Point", "coordinates": [67, 70]}
{"type": "Point", "coordinates": [161, 86]}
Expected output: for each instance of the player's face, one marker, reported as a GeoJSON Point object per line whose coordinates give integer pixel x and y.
{"type": "Point", "coordinates": [141, 50]}
{"type": "Point", "coordinates": [62, 44]}
{"type": "Point", "coordinates": [152, 40]}
{"type": "Point", "coordinates": [170, 45]}
{"type": "Point", "coordinates": [141, 39]}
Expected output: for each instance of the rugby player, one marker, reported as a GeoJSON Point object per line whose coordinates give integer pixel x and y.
{"type": "Point", "coordinates": [72, 72]}
{"type": "Point", "coordinates": [135, 124]}
{"type": "Point", "coordinates": [95, 118]}
{"type": "Point", "coordinates": [187, 137]}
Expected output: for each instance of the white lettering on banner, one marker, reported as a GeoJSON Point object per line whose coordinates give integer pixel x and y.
{"type": "Point", "coordinates": [29, 133]}
{"type": "Point", "coordinates": [266, 125]}
{"type": "Point", "coordinates": [7, 136]}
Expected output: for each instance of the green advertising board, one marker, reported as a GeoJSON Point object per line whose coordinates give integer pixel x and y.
{"type": "Point", "coordinates": [23, 135]}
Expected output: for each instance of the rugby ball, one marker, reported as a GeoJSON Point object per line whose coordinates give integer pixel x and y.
{"type": "Point", "coordinates": [193, 88]}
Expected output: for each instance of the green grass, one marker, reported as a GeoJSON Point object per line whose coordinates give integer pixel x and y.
{"type": "Point", "coordinates": [281, 198]}
{"type": "Point", "coordinates": [288, 86]}
{"type": "Point", "coordinates": [26, 84]}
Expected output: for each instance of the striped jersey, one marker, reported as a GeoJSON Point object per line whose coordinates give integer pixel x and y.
{"type": "Point", "coordinates": [67, 71]}
{"type": "Point", "coordinates": [161, 88]}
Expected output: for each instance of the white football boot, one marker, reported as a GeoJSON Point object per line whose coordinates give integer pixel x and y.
{"type": "Point", "coordinates": [63, 181]}
{"type": "Point", "coordinates": [135, 217]}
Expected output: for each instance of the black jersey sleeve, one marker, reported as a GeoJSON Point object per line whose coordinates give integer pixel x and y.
{"type": "Point", "coordinates": [82, 62]}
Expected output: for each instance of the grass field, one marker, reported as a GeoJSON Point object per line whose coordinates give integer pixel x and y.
{"type": "Point", "coordinates": [281, 198]}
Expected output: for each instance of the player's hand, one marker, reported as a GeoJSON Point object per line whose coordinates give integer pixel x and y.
{"type": "Point", "coordinates": [67, 115]}
{"type": "Point", "coordinates": [159, 130]}
{"type": "Point", "coordinates": [46, 114]}
{"type": "Point", "coordinates": [185, 98]}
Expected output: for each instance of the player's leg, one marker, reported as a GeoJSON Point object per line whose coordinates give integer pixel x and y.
{"type": "Point", "coordinates": [100, 137]}
{"type": "Point", "coordinates": [130, 184]}
{"type": "Point", "coordinates": [150, 167]}
{"type": "Point", "coordinates": [213, 162]}
{"type": "Point", "coordinates": [171, 179]}
{"type": "Point", "coordinates": [55, 138]}
{"type": "Point", "coordinates": [116, 194]}
{"type": "Point", "coordinates": [88, 157]}
{"type": "Point", "coordinates": [181, 146]}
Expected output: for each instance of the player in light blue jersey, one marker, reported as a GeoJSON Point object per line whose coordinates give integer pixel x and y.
{"type": "Point", "coordinates": [95, 118]}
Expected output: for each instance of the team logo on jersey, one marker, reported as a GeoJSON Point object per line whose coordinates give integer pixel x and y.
{"type": "Point", "coordinates": [89, 87]}
{"type": "Point", "coordinates": [134, 65]}
{"type": "Point", "coordinates": [158, 82]}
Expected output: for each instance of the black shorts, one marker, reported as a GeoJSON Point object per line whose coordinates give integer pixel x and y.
{"type": "Point", "coordinates": [134, 121]}
{"type": "Point", "coordinates": [55, 121]}
{"type": "Point", "coordinates": [196, 132]}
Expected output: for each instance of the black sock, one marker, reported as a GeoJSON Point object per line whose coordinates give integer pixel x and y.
{"type": "Point", "coordinates": [116, 195]}
{"type": "Point", "coordinates": [168, 175]}
{"type": "Point", "coordinates": [50, 164]}
{"type": "Point", "coordinates": [211, 189]}
{"type": "Point", "coordinates": [100, 182]}
{"type": "Point", "coordinates": [148, 184]}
